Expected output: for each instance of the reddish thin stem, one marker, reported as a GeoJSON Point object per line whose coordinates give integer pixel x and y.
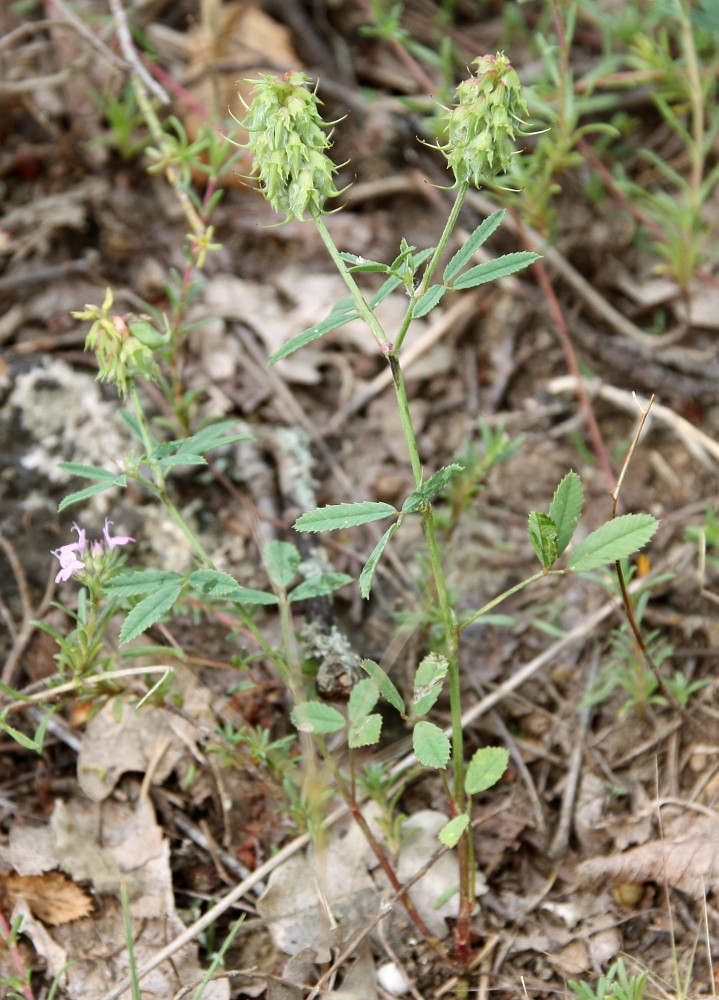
{"type": "Point", "coordinates": [387, 868]}
{"type": "Point", "coordinates": [16, 957]}
{"type": "Point", "coordinates": [570, 357]}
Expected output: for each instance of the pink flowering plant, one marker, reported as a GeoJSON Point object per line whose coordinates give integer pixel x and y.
{"type": "Point", "coordinates": [91, 563]}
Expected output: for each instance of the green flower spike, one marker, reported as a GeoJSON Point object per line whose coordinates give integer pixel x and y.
{"type": "Point", "coordinates": [483, 124]}
{"type": "Point", "coordinates": [287, 142]}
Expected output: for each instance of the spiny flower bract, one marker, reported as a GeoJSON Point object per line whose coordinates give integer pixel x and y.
{"type": "Point", "coordinates": [482, 126]}
{"type": "Point", "coordinates": [287, 141]}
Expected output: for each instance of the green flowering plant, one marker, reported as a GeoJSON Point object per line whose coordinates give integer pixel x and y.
{"type": "Point", "coordinates": [289, 146]}
{"type": "Point", "coordinates": [93, 563]}
{"type": "Point", "coordinates": [483, 125]}
{"type": "Point", "coordinates": [296, 176]}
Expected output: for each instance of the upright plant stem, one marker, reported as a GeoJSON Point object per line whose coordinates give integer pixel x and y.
{"type": "Point", "coordinates": [362, 307]}
{"type": "Point", "coordinates": [159, 486]}
{"type": "Point", "coordinates": [465, 852]}
{"type": "Point", "coordinates": [433, 262]}
{"type": "Point", "coordinates": [449, 622]}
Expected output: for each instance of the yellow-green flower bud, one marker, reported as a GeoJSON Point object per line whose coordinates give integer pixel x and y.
{"type": "Point", "coordinates": [287, 141]}
{"type": "Point", "coordinates": [482, 126]}
{"type": "Point", "coordinates": [121, 356]}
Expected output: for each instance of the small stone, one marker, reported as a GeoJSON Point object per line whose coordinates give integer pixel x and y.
{"type": "Point", "coordinates": [391, 978]}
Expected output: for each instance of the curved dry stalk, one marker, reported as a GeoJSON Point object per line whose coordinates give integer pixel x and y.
{"type": "Point", "coordinates": [52, 693]}
{"type": "Point", "coordinates": [698, 444]}
{"type": "Point", "coordinates": [27, 628]}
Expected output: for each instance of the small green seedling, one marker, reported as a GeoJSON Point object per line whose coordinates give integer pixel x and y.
{"type": "Point", "coordinates": [616, 984]}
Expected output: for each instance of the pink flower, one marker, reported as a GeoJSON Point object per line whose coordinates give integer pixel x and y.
{"type": "Point", "coordinates": [79, 545]}
{"type": "Point", "coordinates": [117, 540]}
{"type": "Point", "coordinates": [69, 563]}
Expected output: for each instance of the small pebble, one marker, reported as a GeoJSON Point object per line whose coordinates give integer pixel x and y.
{"type": "Point", "coordinates": [391, 978]}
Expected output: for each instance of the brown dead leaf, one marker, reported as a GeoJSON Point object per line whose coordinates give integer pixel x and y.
{"type": "Point", "coordinates": [106, 843]}
{"type": "Point", "coordinates": [604, 947]}
{"type": "Point", "coordinates": [140, 739]}
{"type": "Point", "coordinates": [687, 857]}
{"type": "Point", "coordinates": [572, 959]}
{"type": "Point", "coordinates": [52, 897]}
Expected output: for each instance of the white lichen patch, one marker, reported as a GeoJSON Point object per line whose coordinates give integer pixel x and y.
{"type": "Point", "coordinates": [165, 539]}
{"type": "Point", "coordinates": [64, 412]}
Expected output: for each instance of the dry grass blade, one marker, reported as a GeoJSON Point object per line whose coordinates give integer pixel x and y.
{"type": "Point", "coordinates": [700, 445]}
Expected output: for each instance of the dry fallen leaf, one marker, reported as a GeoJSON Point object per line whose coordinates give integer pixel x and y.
{"type": "Point", "coordinates": [572, 959]}
{"type": "Point", "coordinates": [52, 897]}
{"type": "Point", "coordinates": [686, 858]}
{"type": "Point", "coordinates": [105, 843]}
{"type": "Point", "coordinates": [135, 739]}
{"type": "Point", "coordinates": [291, 903]}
